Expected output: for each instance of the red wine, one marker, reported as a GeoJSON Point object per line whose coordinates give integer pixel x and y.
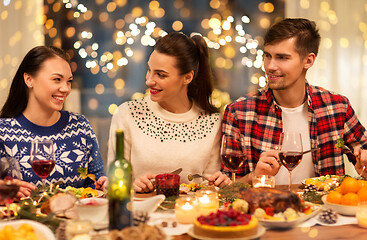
{"type": "Point", "coordinates": [43, 167]}
{"type": "Point", "coordinates": [290, 160]}
{"type": "Point", "coordinates": [8, 191]}
{"type": "Point", "coordinates": [233, 162]}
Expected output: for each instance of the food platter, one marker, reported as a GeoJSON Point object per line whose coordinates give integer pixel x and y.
{"type": "Point", "coordinates": [341, 209]}
{"type": "Point", "coordinates": [42, 231]}
{"type": "Point", "coordinates": [278, 224]}
{"type": "Point", "coordinates": [99, 193]}
{"type": "Point", "coordinates": [323, 183]}
{"type": "Point", "coordinates": [260, 232]}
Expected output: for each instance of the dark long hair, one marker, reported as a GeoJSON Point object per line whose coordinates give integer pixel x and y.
{"type": "Point", "coordinates": [32, 62]}
{"type": "Point", "coordinates": [191, 54]}
{"type": "Point", "coordinates": [306, 33]}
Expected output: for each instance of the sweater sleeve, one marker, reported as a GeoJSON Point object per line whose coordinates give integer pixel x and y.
{"type": "Point", "coordinates": [119, 121]}
{"type": "Point", "coordinates": [95, 162]}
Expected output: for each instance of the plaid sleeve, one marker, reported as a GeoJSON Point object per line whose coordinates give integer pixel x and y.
{"type": "Point", "coordinates": [231, 127]}
{"type": "Point", "coordinates": [354, 133]}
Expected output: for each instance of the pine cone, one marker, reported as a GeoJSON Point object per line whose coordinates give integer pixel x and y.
{"type": "Point", "coordinates": [328, 216]}
{"type": "Point", "coordinates": [140, 218]}
{"type": "Point", "coordinates": [310, 188]}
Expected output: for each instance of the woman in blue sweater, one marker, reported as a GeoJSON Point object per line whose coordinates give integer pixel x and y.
{"type": "Point", "coordinates": [33, 110]}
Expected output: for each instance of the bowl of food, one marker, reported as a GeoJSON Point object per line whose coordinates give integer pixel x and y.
{"type": "Point", "coordinates": [340, 208]}
{"type": "Point", "coordinates": [93, 209]}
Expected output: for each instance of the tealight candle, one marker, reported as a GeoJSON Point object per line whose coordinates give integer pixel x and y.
{"type": "Point", "coordinates": [186, 210]}
{"type": "Point", "coordinates": [75, 229]}
{"type": "Point", "coordinates": [208, 201]}
{"type": "Point", "coordinates": [361, 214]}
{"type": "Point", "coordinates": [263, 181]}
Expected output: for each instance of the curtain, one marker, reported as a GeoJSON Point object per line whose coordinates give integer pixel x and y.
{"type": "Point", "coordinates": [341, 65]}
{"type": "Point", "coordinates": [21, 24]}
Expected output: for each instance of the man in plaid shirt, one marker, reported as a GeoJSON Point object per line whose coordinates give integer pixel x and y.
{"type": "Point", "coordinates": [289, 104]}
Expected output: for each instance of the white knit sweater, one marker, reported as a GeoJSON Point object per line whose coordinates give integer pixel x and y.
{"type": "Point", "coordinates": [158, 141]}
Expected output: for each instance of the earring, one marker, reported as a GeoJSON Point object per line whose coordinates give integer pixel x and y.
{"type": "Point", "coordinates": [30, 86]}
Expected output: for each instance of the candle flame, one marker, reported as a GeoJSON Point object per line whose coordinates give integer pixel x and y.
{"type": "Point", "coordinates": [262, 180]}
{"type": "Point", "coordinates": [187, 206]}
{"type": "Point", "coordinates": [204, 199]}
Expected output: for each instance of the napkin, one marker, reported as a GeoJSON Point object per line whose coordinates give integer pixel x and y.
{"type": "Point", "coordinates": [169, 217]}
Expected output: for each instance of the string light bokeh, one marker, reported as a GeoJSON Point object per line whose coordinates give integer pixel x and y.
{"type": "Point", "coordinates": [110, 42]}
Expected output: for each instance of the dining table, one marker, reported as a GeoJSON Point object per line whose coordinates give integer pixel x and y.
{"type": "Point", "coordinates": [348, 231]}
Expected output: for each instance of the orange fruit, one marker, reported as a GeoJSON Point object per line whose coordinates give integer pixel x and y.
{"type": "Point", "coordinates": [362, 194]}
{"type": "Point", "coordinates": [362, 183]}
{"type": "Point", "coordinates": [334, 197]}
{"type": "Point", "coordinates": [349, 185]}
{"type": "Point", "coordinates": [351, 199]}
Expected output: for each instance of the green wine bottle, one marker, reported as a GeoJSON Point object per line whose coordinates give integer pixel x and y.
{"type": "Point", "coordinates": [120, 188]}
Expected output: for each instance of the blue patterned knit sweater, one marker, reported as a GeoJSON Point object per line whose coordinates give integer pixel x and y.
{"type": "Point", "coordinates": [75, 146]}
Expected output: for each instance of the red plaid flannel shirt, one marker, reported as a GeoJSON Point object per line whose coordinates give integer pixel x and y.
{"type": "Point", "coordinates": [331, 117]}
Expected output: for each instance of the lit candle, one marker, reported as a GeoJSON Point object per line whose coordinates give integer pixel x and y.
{"type": "Point", "coordinates": [78, 229]}
{"type": "Point", "coordinates": [263, 181]}
{"type": "Point", "coordinates": [361, 214]}
{"type": "Point", "coordinates": [186, 210]}
{"type": "Point", "coordinates": [208, 201]}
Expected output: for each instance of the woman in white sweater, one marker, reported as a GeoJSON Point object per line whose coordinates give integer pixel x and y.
{"type": "Point", "coordinates": [176, 126]}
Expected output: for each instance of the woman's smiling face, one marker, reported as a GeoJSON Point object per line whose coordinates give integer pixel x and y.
{"type": "Point", "coordinates": [167, 85]}
{"type": "Point", "coordinates": [51, 85]}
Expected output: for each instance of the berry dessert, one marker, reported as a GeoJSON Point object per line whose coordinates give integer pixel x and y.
{"type": "Point", "coordinates": [225, 224]}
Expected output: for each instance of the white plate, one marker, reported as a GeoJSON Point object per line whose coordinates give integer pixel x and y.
{"type": "Point", "coordinates": [292, 223]}
{"type": "Point", "coordinates": [334, 181]}
{"type": "Point", "coordinates": [42, 231]}
{"type": "Point", "coordinates": [341, 209]}
{"type": "Point", "coordinates": [260, 232]}
{"type": "Point", "coordinates": [99, 192]}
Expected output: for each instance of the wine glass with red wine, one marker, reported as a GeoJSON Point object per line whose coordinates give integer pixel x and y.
{"type": "Point", "coordinates": [233, 154]}
{"type": "Point", "coordinates": [9, 170]}
{"type": "Point", "coordinates": [42, 158]}
{"type": "Point", "coordinates": [290, 151]}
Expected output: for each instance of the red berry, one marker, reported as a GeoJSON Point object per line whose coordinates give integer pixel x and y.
{"type": "Point", "coordinates": [269, 211]}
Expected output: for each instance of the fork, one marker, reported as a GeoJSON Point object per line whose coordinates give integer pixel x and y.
{"type": "Point", "coordinates": [346, 150]}
{"type": "Point", "coordinates": [198, 176]}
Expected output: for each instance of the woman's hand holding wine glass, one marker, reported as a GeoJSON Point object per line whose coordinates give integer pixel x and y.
{"type": "Point", "coordinates": [233, 153]}
{"type": "Point", "coordinates": [290, 154]}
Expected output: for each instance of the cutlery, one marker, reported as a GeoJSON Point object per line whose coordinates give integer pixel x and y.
{"type": "Point", "coordinates": [353, 158]}
{"type": "Point", "coordinates": [311, 150]}
{"type": "Point", "coordinates": [192, 176]}
{"type": "Point", "coordinates": [177, 171]}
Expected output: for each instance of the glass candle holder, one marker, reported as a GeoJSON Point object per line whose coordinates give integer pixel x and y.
{"type": "Point", "coordinates": [361, 214]}
{"type": "Point", "coordinates": [77, 229]}
{"type": "Point", "coordinates": [168, 184]}
{"type": "Point", "coordinates": [263, 181]}
{"type": "Point", "coordinates": [208, 201]}
{"type": "Point", "coordinates": [186, 210]}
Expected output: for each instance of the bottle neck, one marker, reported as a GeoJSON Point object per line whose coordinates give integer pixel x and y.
{"type": "Point", "coordinates": [119, 145]}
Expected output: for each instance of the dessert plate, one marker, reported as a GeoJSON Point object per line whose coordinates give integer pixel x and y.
{"type": "Point", "coordinates": [260, 232]}
{"type": "Point", "coordinates": [292, 223]}
{"type": "Point", "coordinates": [341, 209]}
